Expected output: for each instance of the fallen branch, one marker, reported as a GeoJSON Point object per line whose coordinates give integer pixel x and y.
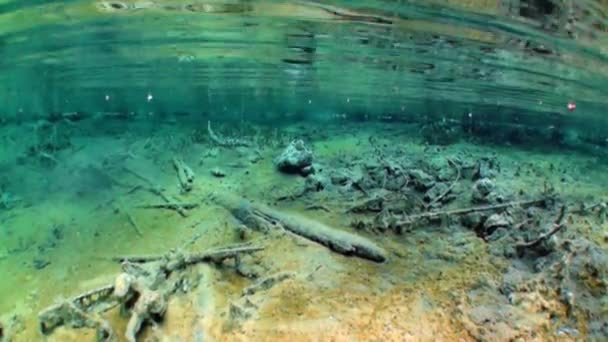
{"type": "Point", "coordinates": [217, 255]}
{"type": "Point", "coordinates": [435, 214]}
{"type": "Point", "coordinates": [77, 308]}
{"type": "Point", "coordinates": [158, 191]}
{"type": "Point", "coordinates": [185, 175]}
{"type": "Point", "coordinates": [132, 290]}
{"type": "Point", "coordinates": [318, 207]}
{"type": "Point", "coordinates": [557, 226]}
{"type": "Point", "coordinates": [179, 207]}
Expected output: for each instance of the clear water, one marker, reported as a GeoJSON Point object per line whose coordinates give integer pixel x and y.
{"type": "Point", "coordinates": [89, 88]}
{"type": "Point", "coordinates": [405, 58]}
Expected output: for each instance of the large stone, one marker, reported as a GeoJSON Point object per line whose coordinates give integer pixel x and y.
{"type": "Point", "coordinates": [296, 158]}
{"type": "Point", "coordinates": [422, 181]}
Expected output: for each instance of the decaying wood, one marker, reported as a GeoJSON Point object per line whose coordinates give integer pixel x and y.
{"type": "Point", "coordinates": [185, 175]}
{"type": "Point", "coordinates": [170, 206]}
{"type": "Point", "coordinates": [318, 207]}
{"type": "Point", "coordinates": [455, 212]}
{"type": "Point", "coordinates": [337, 240]}
{"type": "Point", "coordinates": [216, 255]}
{"type": "Point", "coordinates": [79, 310]}
{"type": "Point", "coordinates": [224, 141]}
{"type": "Point", "coordinates": [134, 291]}
{"type": "Point", "coordinates": [559, 223]}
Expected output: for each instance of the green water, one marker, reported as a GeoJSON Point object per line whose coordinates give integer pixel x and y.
{"type": "Point", "coordinates": [91, 90]}
{"type": "Point", "coordinates": [244, 58]}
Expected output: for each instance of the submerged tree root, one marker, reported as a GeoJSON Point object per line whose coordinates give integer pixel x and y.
{"type": "Point", "coordinates": [142, 289]}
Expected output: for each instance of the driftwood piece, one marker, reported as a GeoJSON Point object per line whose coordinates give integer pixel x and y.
{"type": "Point", "coordinates": [559, 223]}
{"type": "Point", "coordinates": [185, 175]}
{"type": "Point", "coordinates": [69, 314]}
{"type": "Point", "coordinates": [77, 310]}
{"type": "Point", "coordinates": [142, 289]}
{"type": "Point", "coordinates": [224, 141]}
{"type": "Point", "coordinates": [455, 212]}
{"type": "Point", "coordinates": [215, 255]}
{"type": "Point", "coordinates": [318, 207]}
{"type": "Point", "coordinates": [171, 206]}
{"type": "Point", "coordinates": [337, 240]}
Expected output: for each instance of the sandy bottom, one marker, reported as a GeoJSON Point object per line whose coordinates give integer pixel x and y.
{"type": "Point", "coordinates": [64, 217]}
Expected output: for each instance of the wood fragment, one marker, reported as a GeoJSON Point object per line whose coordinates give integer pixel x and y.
{"type": "Point", "coordinates": [215, 255]}
{"type": "Point", "coordinates": [559, 223]}
{"type": "Point", "coordinates": [436, 214]}
{"type": "Point", "coordinates": [185, 175]}
{"type": "Point", "coordinates": [318, 207]}
{"type": "Point", "coordinates": [170, 206]}
{"type": "Point", "coordinates": [158, 191]}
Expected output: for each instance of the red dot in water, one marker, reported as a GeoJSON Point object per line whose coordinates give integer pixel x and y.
{"type": "Point", "coordinates": [571, 106]}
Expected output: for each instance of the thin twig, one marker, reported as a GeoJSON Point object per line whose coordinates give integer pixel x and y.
{"type": "Point", "coordinates": [134, 224]}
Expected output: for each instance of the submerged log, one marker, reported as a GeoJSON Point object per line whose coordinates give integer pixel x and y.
{"type": "Point", "coordinates": [337, 240]}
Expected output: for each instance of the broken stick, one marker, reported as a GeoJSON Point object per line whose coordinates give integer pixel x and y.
{"type": "Point", "coordinates": [158, 191]}
{"type": "Point", "coordinates": [185, 175]}
{"type": "Point", "coordinates": [435, 214]}
{"type": "Point", "coordinates": [216, 255]}
{"type": "Point", "coordinates": [557, 226]}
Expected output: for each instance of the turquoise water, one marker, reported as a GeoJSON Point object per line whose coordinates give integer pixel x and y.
{"type": "Point", "coordinates": [406, 59]}
{"type": "Point", "coordinates": [407, 107]}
